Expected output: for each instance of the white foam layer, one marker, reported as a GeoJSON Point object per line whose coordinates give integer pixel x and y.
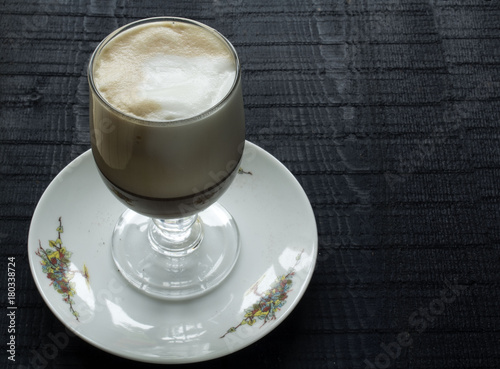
{"type": "Point", "coordinates": [165, 71]}
{"type": "Point", "coordinates": [184, 86]}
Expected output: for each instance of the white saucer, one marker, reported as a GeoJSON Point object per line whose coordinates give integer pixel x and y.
{"type": "Point", "coordinates": [278, 253]}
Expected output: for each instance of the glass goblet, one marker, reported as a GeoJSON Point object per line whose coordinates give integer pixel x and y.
{"type": "Point", "coordinates": [174, 241]}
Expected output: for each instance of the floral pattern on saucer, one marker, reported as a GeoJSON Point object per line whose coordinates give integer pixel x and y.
{"type": "Point", "coordinates": [270, 301]}
{"type": "Point", "coordinates": [56, 265]}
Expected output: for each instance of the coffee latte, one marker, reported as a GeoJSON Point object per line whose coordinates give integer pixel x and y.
{"type": "Point", "coordinates": [167, 120]}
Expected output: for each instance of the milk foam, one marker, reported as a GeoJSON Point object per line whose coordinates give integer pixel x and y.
{"type": "Point", "coordinates": [165, 71]}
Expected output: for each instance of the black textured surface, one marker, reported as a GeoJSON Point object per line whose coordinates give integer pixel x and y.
{"type": "Point", "coordinates": [388, 113]}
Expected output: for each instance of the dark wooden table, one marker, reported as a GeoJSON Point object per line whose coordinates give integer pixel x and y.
{"type": "Point", "coordinates": [387, 112]}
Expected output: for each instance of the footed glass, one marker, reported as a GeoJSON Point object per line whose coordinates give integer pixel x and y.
{"type": "Point", "coordinates": [174, 241]}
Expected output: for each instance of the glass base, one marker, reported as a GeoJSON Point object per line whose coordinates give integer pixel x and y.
{"type": "Point", "coordinates": [193, 271]}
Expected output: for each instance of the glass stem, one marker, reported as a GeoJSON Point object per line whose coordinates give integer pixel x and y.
{"type": "Point", "coordinates": [175, 237]}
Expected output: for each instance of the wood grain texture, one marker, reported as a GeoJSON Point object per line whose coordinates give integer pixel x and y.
{"type": "Point", "coordinates": [386, 111]}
